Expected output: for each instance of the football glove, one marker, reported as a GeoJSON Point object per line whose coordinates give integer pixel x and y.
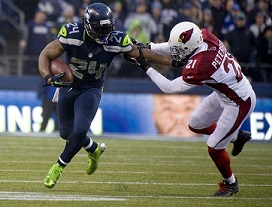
{"type": "Point", "coordinates": [140, 60]}
{"type": "Point", "coordinates": [56, 80]}
{"type": "Point", "coordinates": [139, 45]}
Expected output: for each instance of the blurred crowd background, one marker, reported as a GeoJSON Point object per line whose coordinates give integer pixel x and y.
{"type": "Point", "coordinates": [244, 26]}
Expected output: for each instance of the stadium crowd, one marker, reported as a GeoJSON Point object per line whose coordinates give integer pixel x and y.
{"type": "Point", "coordinates": [244, 26]}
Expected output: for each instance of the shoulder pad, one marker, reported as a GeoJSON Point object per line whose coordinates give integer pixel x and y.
{"type": "Point", "coordinates": [119, 38]}
{"type": "Point", "coordinates": [72, 30]}
{"type": "Point", "coordinates": [119, 42]}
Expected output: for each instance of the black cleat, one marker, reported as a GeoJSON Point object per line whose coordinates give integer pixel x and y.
{"type": "Point", "coordinates": [242, 138]}
{"type": "Point", "coordinates": [227, 189]}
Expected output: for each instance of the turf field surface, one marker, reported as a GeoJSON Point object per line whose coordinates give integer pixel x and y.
{"type": "Point", "coordinates": [138, 173]}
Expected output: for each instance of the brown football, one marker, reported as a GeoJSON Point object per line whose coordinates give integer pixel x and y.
{"type": "Point", "coordinates": [58, 66]}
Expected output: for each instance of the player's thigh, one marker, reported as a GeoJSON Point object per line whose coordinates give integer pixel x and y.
{"type": "Point", "coordinates": [65, 111]}
{"type": "Point", "coordinates": [230, 122]}
{"type": "Point", "coordinates": [208, 112]}
{"type": "Point", "coordinates": [227, 126]}
{"type": "Point", "coordinates": [65, 104]}
{"type": "Point", "coordinates": [85, 108]}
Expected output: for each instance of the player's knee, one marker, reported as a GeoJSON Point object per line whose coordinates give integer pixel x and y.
{"type": "Point", "coordinates": [194, 124]}
{"type": "Point", "coordinates": [192, 129]}
{"type": "Point", "coordinates": [210, 142]}
{"type": "Point", "coordinates": [214, 143]}
{"type": "Point", "coordinates": [81, 127]}
{"type": "Point", "coordinates": [64, 134]}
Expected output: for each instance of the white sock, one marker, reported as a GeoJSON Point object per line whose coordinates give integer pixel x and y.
{"type": "Point", "coordinates": [231, 179]}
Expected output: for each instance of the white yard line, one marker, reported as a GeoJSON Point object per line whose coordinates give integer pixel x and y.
{"type": "Point", "coordinates": [142, 172]}
{"type": "Point", "coordinates": [34, 196]}
{"type": "Point", "coordinates": [132, 183]}
{"type": "Point", "coordinates": [182, 163]}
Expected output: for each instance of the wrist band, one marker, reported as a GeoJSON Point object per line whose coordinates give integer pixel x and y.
{"type": "Point", "coordinates": [47, 77]}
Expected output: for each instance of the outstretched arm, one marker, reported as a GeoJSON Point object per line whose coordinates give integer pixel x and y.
{"type": "Point", "coordinates": [151, 56]}
{"type": "Point", "coordinates": [163, 57]}
{"type": "Point", "coordinates": [166, 85]}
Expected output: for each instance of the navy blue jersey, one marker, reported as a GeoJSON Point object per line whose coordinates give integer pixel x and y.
{"type": "Point", "coordinates": [88, 59]}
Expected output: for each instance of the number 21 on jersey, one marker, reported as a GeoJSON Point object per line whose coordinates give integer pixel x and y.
{"type": "Point", "coordinates": [191, 64]}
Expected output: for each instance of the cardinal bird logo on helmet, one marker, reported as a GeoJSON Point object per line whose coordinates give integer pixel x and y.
{"type": "Point", "coordinates": [185, 36]}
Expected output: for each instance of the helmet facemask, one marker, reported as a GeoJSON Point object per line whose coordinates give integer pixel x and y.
{"type": "Point", "coordinates": [175, 53]}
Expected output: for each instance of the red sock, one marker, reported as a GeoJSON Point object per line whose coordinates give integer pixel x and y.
{"type": "Point", "coordinates": [209, 130]}
{"type": "Point", "coordinates": [222, 161]}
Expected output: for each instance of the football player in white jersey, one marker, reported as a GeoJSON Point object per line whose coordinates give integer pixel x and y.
{"type": "Point", "coordinates": [219, 115]}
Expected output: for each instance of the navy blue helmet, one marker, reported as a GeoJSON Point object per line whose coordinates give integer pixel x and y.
{"type": "Point", "coordinates": [98, 22]}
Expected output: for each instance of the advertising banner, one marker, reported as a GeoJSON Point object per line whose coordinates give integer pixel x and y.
{"type": "Point", "coordinates": [139, 114]}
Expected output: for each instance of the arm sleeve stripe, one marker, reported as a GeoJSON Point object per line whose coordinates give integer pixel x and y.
{"type": "Point", "coordinates": [70, 41]}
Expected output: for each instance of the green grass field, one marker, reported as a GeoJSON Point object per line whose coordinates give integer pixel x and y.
{"type": "Point", "coordinates": [131, 173]}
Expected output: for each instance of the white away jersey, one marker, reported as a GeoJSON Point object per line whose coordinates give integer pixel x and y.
{"type": "Point", "coordinates": [213, 66]}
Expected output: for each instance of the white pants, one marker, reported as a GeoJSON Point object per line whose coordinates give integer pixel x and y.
{"type": "Point", "coordinates": [229, 118]}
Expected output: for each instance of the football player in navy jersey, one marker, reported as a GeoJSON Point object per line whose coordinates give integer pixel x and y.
{"type": "Point", "coordinates": [219, 115]}
{"type": "Point", "coordinates": [90, 48]}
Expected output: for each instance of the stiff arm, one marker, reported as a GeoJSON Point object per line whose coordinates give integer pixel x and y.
{"type": "Point", "coordinates": [151, 56]}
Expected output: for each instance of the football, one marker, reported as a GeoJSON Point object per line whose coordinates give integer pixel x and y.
{"type": "Point", "coordinates": [58, 66]}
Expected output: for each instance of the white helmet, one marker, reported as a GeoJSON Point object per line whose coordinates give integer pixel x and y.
{"type": "Point", "coordinates": [184, 38]}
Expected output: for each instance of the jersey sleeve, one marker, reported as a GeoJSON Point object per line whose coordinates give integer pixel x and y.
{"type": "Point", "coordinates": [162, 48]}
{"type": "Point", "coordinates": [127, 44]}
{"type": "Point", "coordinates": [166, 85]}
{"type": "Point", "coordinates": [71, 34]}
{"type": "Point", "coordinates": [119, 42]}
